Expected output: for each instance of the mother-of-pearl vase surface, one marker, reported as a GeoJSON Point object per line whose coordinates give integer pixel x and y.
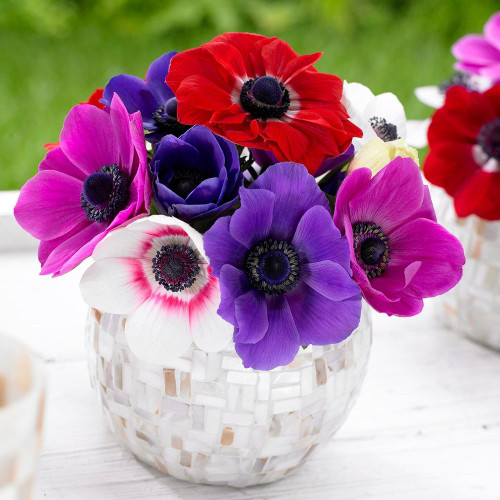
{"type": "Point", "coordinates": [205, 418]}
{"type": "Point", "coordinates": [473, 306]}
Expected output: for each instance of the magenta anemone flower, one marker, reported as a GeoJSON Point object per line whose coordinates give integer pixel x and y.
{"type": "Point", "coordinates": [96, 180]}
{"type": "Point", "coordinates": [480, 54]}
{"type": "Point", "coordinates": [284, 269]}
{"type": "Point", "coordinates": [155, 271]}
{"type": "Point", "coordinates": [399, 253]}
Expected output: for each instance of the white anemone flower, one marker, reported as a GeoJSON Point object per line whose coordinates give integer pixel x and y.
{"type": "Point", "coordinates": [433, 95]}
{"type": "Point", "coordinates": [155, 271]}
{"type": "Point", "coordinates": [381, 116]}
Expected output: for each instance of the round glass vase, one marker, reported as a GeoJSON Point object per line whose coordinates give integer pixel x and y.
{"type": "Point", "coordinates": [206, 419]}
{"type": "Point", "coordinates": [473, 306]}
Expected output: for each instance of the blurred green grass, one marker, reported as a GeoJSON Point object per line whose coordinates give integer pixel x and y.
{"type": "Point", "coordinates": [56, 52]}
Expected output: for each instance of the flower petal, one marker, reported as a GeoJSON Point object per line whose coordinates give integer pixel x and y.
{"type": "Point", "coordinates": [280, 343]}
{"type": "Point", "coordinates": [330, 280]}
{"type": "Point", "coordinates": [475, 49]}
{"type": "Point", "coordinates": [251, 317]}
{"type": "Point", "coordinates": [88, 138]}
{"type": "Point", "coordinates": [209, 331]}
{"type": "Point", "coordinates": [492, 30]}
{"type": "Point", "coordinates": [115, 285]}
{"type": "Point", "coordinates": [158, 331]}
{"type": "Point", "coordinates": [49, 205]}
{"type": "Point", "coordinates": [252, 222]}
{"type": "Point", "coordinates": [321, 321]}
{"type": "Point", "coordinates": [155, 77]}
{"type": "Point", "coordinates": [233, 282]}
{"type": "Point", "coordinates": [317, 238]}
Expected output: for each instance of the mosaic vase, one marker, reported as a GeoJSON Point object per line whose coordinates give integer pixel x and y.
{"type": "Point", "coordinates": [206, 419]}
{"type": "Point", "coordinates": [473, 306]}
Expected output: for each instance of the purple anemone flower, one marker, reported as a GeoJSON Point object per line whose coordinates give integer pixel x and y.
{"type": "Point", "coordinates": [399, 253]}
{"type": "Point", "coordinates": [152, 97]}
{"type": "Point", "coordinates": [96, 180]}
{"type": "Point", "coordinates": [480, 54]}
{"type": "Point", "coordinates": [196, 175]}
{"type": "Point", "coordinates": [283, 269]}
{"type": "Point", "coordinates": [265, 158]}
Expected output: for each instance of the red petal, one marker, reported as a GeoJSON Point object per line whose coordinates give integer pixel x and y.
{"type": "Point", "coordinates": [480, 196]}
{"type": "Point", "coordinates": [202, 92]}
{"type": "Point", "coordinates": [229, 57]}
{"type": "Point", "coordinates": [317, 87]}
{"type": "Point", "coordinates": [299, 65]}
{"type": "Point", "coordinates": [94, 99]}
{"type": "Point", "coordinates": [276, 55]}
{"type": "Point", "coordinates": [288, 143]}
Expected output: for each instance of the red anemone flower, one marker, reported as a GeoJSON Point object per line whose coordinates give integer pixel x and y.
{"type": "Point", "coordinates": [257, 92]}
{"type": "Point", "coordinates": [464, 156]}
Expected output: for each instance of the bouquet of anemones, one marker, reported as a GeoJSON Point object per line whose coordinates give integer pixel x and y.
{"type": "Point", "coordinates": [238, 194]}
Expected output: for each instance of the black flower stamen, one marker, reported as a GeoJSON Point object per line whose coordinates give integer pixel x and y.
{"type": "Point", "coordinates": [460, 79]}
{"type": "Point", "coordinates": [184, 181]}
{"type": "Point", "coordinates": [371, 248]}
{"type": "Point", "coordinates": [489, 138]}
{"type": "Point", "coordinates": [273, 267]}
{"type": "Point", "coordinates": [165, 118]}
{"type": "Point", "coordinates": [105, 193]}
{"type": "Point", "coordinates": [384, 130]}
{"type": "Point", "coordinates": [265, 97]}
{"type": "Point", "coordinates": [175, 267]}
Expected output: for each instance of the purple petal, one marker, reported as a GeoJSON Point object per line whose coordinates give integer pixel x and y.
{"type": "Point", "coordinates": [492, 30]}
{"type": "Point", "coordinates": [135, 94]}
{"type": "Point", "coordinates": [88, 139]}
{"type": "Point", "coordinates": [233, 283]}
{"type": "Point", "coordinates": [321, 321]}
{"type": "Point", "coordinates": [263, 158]}
{"type": "Point", "coordinates": [296, 192]}
{"type": "Point", "coordinates": [280, 343]}
{"type": "Point", "coordinates": [251, 223]}
{"type": "Point", "coordinates": [330, 280]}
{"type": "Point", "coordinates": [475, 49]}
{"type": "Point", "coordinates": [174, 152]}
{"type": "Point", "coordinates": [211, 155]}
{"type": "Point", "coordinates": [49, 205]}
{"type": "Point", "coordinates": [222, 248]}
{"type": "Point", "coordinates": [330, 163]}
{"type": "Point", "coordinates": [317, 239]}
{"type": "Point", "coordinates": [207, 191]}
{"type": "Point", "coordinates": [155, 77]}
{"type": "Point", "coordinates": [251, 317]}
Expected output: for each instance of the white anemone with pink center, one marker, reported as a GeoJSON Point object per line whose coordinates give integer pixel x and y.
{"type": "Point", "coordinates": [155, 271]}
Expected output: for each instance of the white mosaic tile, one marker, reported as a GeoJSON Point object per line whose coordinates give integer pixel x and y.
{"type": "Point", "coordinates": [473, 306]}
{"type": "Point", "coordinates": [207, 419]}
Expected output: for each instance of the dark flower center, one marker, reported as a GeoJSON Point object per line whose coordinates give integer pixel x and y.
{"type": "Point", "coordinates": [461, 79]}
{"type": "Point", "coordinates": [175, 267]}
{"type": "Point", "coordinates": [265, 97]}
{"type": "Point", "coordinates": [385, 131]}
{"type": "Point", "coordinates": [105, 193]}
{"type": "Point", "coordinates": [371, 248]}
{"type": "Point", "coordinates": [184, 181]}
{"type": "Point", "coordinates": [273, 267]}
{"type": "Point", "coordinates": [165, 118]}
{"type": "Point", "coordinates": [489, 138]}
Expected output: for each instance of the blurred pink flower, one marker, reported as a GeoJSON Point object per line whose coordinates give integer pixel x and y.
{"type": "Point", "coordinates": [480, 54]}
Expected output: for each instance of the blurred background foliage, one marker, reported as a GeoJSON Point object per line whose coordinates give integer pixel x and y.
{"type": "Point", "coordinates": [54, 53]}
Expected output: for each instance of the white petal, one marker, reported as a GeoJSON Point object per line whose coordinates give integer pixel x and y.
{"type": "Point", "coordinates": [121, 243]}
{"type": "Point", "coordinates": [158, 331]}
{"type": "Point", "coordinates": [480, 83]}
{"type": "Point", "coordinates": [209, 331]}
{"type": "Point", "coordinates": [388, 106]}
{"type": "Point", "coordinates": [430, 95]}
{"type": "Point", "coordinates": [417, 132]}
{"type": "Point", "coordinates": [356, 96]}
{"type": "Point", "coordinates": [115, 285]}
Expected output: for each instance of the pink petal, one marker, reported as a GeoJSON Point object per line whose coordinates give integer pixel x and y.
{"type": "Point", "coordinates": [120, 120]}
{"type": "Point", "coordinates": [49, 205]}
{"type": "Point", "coordinates": [57, 160]}
{"type": "Point", "coordinates": [475, 49]}
{"type": "Point", "coordinates": [115, 285]}
{"type": "Point", "coordinates": [88, 139]}
{"type": "Point", "coordinates": [492, 30]}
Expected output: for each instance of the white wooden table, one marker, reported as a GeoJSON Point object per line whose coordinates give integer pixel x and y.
{"type": "Point", "coordinates": [426, 426]}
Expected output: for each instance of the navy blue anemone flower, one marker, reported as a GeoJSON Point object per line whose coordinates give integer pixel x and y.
{"type": "Point", "coordinates": [195, 176]}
